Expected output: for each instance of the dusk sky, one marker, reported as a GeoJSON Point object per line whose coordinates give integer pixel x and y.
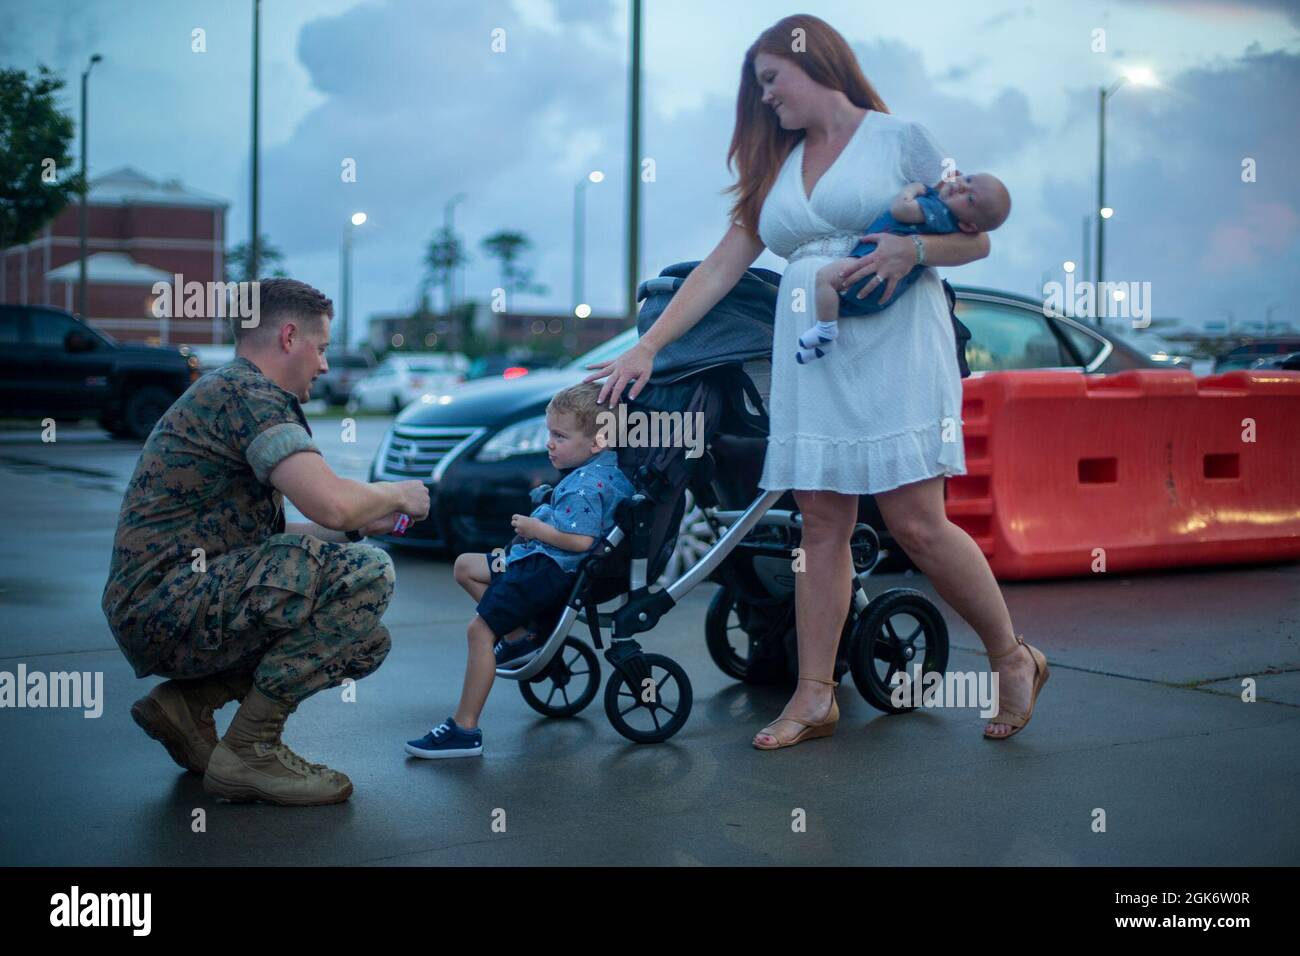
{"type": "Point", "coordinates": [412, 90]}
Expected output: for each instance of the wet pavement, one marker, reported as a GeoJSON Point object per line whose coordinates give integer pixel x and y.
{"type": "Point", "coordinates": [1143, 719]}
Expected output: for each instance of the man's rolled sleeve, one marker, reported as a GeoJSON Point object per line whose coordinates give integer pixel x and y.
{"type": "Point", "coordinates": [274, 445]}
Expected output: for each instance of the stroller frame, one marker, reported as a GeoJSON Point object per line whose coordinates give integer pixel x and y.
{"type": "Point", "coordinates": [640, 610]}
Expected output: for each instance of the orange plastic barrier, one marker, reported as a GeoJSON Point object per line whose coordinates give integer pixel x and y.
{"type": "Point", "coordinates": [1071, 474]}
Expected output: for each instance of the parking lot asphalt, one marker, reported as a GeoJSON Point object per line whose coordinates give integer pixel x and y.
{"type": "Point", "coordinates": [1143, 726]}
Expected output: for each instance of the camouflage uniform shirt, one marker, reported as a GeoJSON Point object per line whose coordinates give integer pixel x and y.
{"type": "Point", "coordinates": [201, 484]}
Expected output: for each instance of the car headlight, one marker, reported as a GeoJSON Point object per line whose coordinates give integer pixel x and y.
{"type": "Point", "coordinates": [522, 438]}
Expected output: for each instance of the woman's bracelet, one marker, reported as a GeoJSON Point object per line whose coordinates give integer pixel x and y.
{"type": "Point", "coordinates": [920, 250]}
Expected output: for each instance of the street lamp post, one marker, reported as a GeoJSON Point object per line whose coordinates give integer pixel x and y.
{"type": "Point", "coordinates": [85, 188]}
{"type": "Point", "coordinates": [345, 281]}
{"type": "Point", "coordinates": [1140, 77]}
{"type": "Point", "coordinates": [449, 229]}
{"type": "Point", "coordinates": [634, 162]}
{"type": "Point", "coordinates": [254, 241]}
{"type": "Point", "coordinates": [579, 237]}
{"type": "Point", "coordinates": [1085, 266]}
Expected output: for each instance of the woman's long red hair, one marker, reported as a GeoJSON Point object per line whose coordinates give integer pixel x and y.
{"type": "Point", "coordinates": [759, 145]}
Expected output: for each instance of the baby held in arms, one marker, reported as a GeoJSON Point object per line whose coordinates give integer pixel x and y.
{"type": "Point", "coordinates": [975, 203]}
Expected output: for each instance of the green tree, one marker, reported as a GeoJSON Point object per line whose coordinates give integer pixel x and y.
{"type": "Point", "coordinates": [36, 176]}
{"type": "Point", "coordinates": [508, 247]}
{"type": "Point", "coordinates": [442, 258]}
{"type": "Point", "coordinates": [237, 261]}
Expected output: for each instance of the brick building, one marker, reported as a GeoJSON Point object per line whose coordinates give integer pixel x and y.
{"type": "Point", "coordinates": [138, 231]}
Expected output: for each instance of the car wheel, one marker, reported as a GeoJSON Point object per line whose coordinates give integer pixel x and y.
{"type": "Point", "coordinates": [693, 539]}
{"type": "Point", "coordinates": [143, 409]}
{"type": "Point", "coordinates": [397, 405]}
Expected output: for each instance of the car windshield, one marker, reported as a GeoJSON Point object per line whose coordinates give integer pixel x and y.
{"type": "Point", "coordinates": [606, 350]}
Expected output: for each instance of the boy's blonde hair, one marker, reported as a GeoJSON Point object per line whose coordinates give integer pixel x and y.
{"type": "Point", "coordinates": [580, 402]}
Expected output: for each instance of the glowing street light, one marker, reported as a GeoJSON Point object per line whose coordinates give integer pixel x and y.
{"type": "Point", "coordinates": [358, 218]}
{"type": "Point", "coordinates": [1138, 76]}
{"type": "Point", "coordinates": [579, 235]}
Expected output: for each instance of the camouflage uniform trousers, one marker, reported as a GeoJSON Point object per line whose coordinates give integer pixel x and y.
{"type": "Point", "coordinates": [304, 619]}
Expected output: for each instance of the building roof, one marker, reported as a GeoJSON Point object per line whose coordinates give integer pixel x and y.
{"type": "Point", "coordinates": [110, 268]}
{"type": "Point", "coordinates": [126, 185]}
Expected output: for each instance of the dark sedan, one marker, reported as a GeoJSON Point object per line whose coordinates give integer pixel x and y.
{"type": "Point", "coordinates": [480, 447]}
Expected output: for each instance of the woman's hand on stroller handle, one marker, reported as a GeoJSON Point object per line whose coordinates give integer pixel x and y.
{"type": "Point", "coordinates": [632, 368]}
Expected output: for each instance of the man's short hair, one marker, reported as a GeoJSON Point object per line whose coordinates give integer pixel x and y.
{"type": "Point", "coordinates": [280, 300]}
{"type": "Point", "coordinates": [580, 402]}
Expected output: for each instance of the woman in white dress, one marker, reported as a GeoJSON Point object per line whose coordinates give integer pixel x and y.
{"type": "Point", "coordinates": [819, 157]}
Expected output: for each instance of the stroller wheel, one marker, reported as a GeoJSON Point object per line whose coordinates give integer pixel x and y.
{"type": "Point", "coordinates": [724, 631]}
{"type": "Point", "coordinates": [568, 685]}
{"type": "Point", "coordinates": [649, 713]}
{"type": "Point", "coordinates": [900, 629]}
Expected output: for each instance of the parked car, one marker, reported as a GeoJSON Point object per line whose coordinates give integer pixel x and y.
{"type": "Point", "coordinates": [54, 365]}
{"type": "Point", "coordinates": [345, 370]}
{"type": "Point", "coordinates": [506, 366]}
{"type": "Point", "coordinates": [402, 379]}
{"type": "Point", "coordinates": [1244, 356]}
{"type": "Point", "coordinates": [1009, 331]}
{"type": "Point", "coordinates": [481, 449]}
{"type": "Point", "coordinates": [1164, 354]}
{"type": "Point", "coordinates": [1288, 363]}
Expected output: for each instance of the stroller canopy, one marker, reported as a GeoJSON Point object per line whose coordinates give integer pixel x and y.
{"type": "Point", "coordinates": [737, 329]}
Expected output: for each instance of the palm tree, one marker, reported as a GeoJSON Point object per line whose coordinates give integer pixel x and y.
{"type": "Point", "coordinates": [237, 260]}
{"type": "Point", "coordinates": [507, 247]}
{"type": "Point", "coordinates": [443, 257]}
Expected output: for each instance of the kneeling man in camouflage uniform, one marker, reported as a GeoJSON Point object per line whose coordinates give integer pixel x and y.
{"type": "Point", "coordinates": [210, 588]}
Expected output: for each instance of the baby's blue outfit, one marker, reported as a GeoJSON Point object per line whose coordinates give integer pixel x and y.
{"type": "Point", "coordinates": [582, 503]}
{"type": "Point", "coordinates": [938, 220]}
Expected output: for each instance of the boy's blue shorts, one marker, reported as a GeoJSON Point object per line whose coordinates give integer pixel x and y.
{"type": "Point", "coordinates": [531, 590]}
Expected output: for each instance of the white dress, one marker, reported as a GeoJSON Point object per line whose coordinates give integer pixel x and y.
{"type": "Point", "coordinates": [883, 407]}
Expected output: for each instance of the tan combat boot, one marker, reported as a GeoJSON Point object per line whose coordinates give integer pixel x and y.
{"type": "Point", "coordinates": [252, 763]}
{"type": "Point", "coordinates": [178, 714]}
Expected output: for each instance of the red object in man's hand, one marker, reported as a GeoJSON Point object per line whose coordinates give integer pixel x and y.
{"type": "Point", "coordinates": [401, 524]}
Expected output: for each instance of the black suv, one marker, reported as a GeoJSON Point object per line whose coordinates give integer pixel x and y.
{"type": "Point", "coordinates": [53, 365]}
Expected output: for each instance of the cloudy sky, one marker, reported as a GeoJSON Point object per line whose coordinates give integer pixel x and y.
{"type": "Point", "coordinates": [412, 90]}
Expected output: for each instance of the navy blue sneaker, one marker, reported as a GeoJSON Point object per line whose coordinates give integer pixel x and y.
{"type": "Point", "coordinates": [521, 651]}
{"type": "Point", "coordinates": [447, 740]}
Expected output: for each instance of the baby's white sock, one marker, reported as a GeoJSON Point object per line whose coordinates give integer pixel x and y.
{"type": "Point", "coordinates": [804, 356]}
{"type": "Point", "coordinates": [822, 334]}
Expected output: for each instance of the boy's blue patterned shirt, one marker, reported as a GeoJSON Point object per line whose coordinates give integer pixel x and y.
{"type": "Point", "coordinates": [582, 503]}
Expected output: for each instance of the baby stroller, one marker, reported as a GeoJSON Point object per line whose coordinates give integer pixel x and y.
{"type": "Point", "coordinates": [717, 372]}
